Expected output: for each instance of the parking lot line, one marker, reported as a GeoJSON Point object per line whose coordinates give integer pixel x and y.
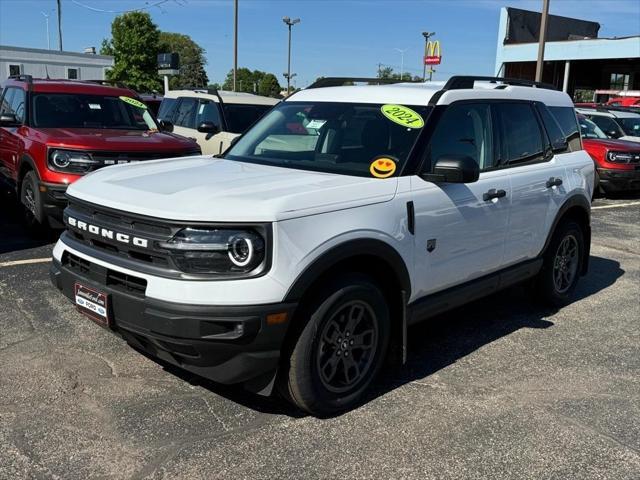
{"type": "Point", "coordinates": [619, 205]}
{"type": "Point", "coordinates": [24, 262]}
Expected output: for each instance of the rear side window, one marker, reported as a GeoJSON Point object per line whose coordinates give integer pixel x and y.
{"type": "Point", "coordinates": [566, 117]}
{"type": "Point", "coordinates": [464, 129]}
{"type": "Point", "coordinates": [521, 138]}
{"type": "Point", "coordinates": [167, 109]}
{"type": "Point", "coordinates": [186, 114]}
{"type": "Point", "coordinates": [240, 116]}
{"type": "Point", "coordinates": [556, 135]}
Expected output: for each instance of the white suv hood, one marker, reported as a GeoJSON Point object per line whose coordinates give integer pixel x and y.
{"type": "Point", "coordinates": [218, 190]}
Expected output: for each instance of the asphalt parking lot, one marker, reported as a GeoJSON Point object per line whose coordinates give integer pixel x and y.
{"type": "Point", "coordinates": [497, 389]}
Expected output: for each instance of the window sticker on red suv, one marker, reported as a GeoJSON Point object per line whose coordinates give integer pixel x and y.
{"type": "Point", "coordinates": [134, 102]}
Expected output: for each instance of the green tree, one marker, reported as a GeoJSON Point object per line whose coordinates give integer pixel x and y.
{"type": "Point", "coordinates": [261, 83]}
{"type": "Point", "coordinates": [192, 60]}
{"type": "Point", "coordinates": [134, 46]}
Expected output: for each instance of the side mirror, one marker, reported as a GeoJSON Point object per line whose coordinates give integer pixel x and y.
{"type": "Point", "coordinates": [9, 120]}
{"type": "Point", "coordinates": [208, 127]}
{"type": "Point", "coordinates": [613, 134]}
{"type": "Point", "coordinates": [454, 169]}
{"type": "Point", "coordinates": [165, 126]}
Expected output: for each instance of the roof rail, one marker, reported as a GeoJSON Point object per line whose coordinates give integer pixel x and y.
{"type": "Point", "coordinates": [460, 82]}
{"type": "Point", "coordinates": [22, 77]}
{"type": "Point", "coordinates": [112, 83]}
{"type": "Point", "coordinates": [339, 81]}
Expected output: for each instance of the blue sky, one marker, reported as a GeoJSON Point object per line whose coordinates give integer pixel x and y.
{"type": "Point", "coordinates": [335, 37]}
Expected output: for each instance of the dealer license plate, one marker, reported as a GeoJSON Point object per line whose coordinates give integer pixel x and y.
{"type": "Point", "coordinates": [93, 304]}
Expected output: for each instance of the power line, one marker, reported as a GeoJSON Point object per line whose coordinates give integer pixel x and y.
{"type": "Point", "coordinates": [99, 10]}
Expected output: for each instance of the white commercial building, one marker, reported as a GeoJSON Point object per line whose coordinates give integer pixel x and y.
{"type": "Point", "coordinates": [42, 63]}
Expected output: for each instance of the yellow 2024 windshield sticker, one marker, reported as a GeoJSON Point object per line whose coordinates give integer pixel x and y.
{"type": "Point", "coordinates": [134, 102]}
{"type": "Point", "coordinates": [402, 116]}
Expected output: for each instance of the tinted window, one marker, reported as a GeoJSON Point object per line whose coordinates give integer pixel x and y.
{"type": "Point", "coordinates": [343, 138]}
{"type": "Point", "coordinates": [186, 114]}
{"type": "Point", "coordinates": [208, 112]}
{"type": "Point", "coordinates": [167, 109]}
{"type": "Point", "coordinates": [555, 133]}
{"type": "Point", "coordinates": [14, 102]}
{"type": "Point", "coordinates": [464, 129]}
{"type": "Point", "coordinates": [241, 117]}
{"type": "Point", "coordinates": [566, 117]}
{"type": "Point", "coordinates": [521, 138]}
{"type": "Point", "coordinates": [630, 125]}
{"type": "Point", "coordinates": [59, 110]}
{"type": "Point", "coordinates": [72, 74]}
{"type": "Point", "coordinates": [607, 125]}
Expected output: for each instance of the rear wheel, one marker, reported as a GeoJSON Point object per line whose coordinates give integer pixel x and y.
{"type": "Point", "coordinates": [31, 201]}
{"type": "Point", "coordinates": [340, 349]}
{"type": "Point", "coordinates": [562, 265]}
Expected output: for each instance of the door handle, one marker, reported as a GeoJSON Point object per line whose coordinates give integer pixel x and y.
{"type": "Point", "coordinates": [554, 182]}
{"type": "Point", "coordinates": [493, 193]}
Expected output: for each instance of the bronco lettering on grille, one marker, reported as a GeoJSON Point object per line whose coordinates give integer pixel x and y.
{"type": "Point", "coordinates": [106, 233]}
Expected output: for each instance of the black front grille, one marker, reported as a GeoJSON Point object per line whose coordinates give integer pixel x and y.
{"type": "Point", "coordinates": [108, 223]}
{"type": "Point", "coordinates": [105, 276]}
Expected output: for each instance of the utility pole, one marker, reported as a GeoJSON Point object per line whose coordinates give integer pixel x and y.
{"type": "Point", "coordinates": [426, 36]}
{"type": "Point", "coordinates": [543, 37]}
{"type": "Point", "coordinates": [402, 52]}
{"type": "Point", "coordinates": [235, 43]}
{"type": "Point", "coordinates": [59, 26]}
{"type": "Point", "coordinates": [46, 17]}
{"type": "Point", "coordinates": [289, 23]}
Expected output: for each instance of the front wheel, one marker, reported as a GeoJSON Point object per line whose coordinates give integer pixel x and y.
{"type": "Point", "coordinates": [31, 201]}
{"type": "Point", "coordinates": [341, 347]}
{"type": "Point", "coordinates": [562, 265]}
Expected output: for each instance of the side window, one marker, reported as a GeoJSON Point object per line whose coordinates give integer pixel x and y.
{"type": "Point", "coordinates": [186, 114]}
{"type": "Point", "coordinates": [555, 133]}
{"type": "Point", "coordinates": [566, 117]}
{"type": "Point", "coordinates": [464, 129]}
{"type": "Point", "coordinates": [208, 112]}
{"type": "Point", "coordinates": [73, 73]}
{"type": "Point", "coordinates": [521, 137]}
{"type": "Point", "coordinates": [241, 116]}
{"type": "Point", "coordinates": [607, 125]}
{"type": "Point", "coordinates": [14, 102]}
{"type": "Point", "coordinates": [167, 109]}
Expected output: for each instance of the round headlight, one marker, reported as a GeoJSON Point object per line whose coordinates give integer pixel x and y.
{"type": "Point", "coordinates": [241, 250]}
{"type": "Point", "coordinates": [60, 159]}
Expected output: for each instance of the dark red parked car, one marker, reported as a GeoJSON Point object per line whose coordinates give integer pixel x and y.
{"type": "Point", "coordinates": [52, 132]}
{"type": "Point", "coordinates": [617, 161]}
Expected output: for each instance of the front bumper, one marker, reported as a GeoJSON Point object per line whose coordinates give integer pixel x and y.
{"type": "Point", "coordinates": [612, 180]}
{"type": "Point", "coordinates": [229, 345]}
{"type": "Point", "coordinates": [54, 200]}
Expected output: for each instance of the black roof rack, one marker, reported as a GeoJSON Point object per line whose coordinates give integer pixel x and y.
{"type": "Point", "coordinates": [460, 82]}
{"type": "Point", "coordinates": [22, 77]}
{"type": "Point", "coordinates": [111, 83]}
{"type": "Point", "coordinates": [339, 81]}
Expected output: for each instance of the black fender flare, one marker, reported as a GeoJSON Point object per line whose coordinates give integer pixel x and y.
{"type": "Point", "coordinates": [344, 251]}
{"type": "Point", "coordinates": [581, 202]}
{"type": "Point", "coordinates": [25, 158]}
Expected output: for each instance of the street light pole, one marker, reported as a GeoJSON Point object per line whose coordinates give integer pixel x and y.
{"type": "Point", "coordinates": [290, 23]}
{"type": "Point", "coordinates": [402, 52]}
{"type": "Point", "coordinates": [543, 38]}
{"type": "Point", "coordinates": [59, 26]}
{"type": "Point", "coordinates": [426, 36]}
{"type": "Point", "coordinates": [235, 43]}
{"type": "Point", "coordinates": [46, 17]}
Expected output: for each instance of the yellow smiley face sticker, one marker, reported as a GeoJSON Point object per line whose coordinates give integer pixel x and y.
{"type": "Point", "coordinates": [382, 167]}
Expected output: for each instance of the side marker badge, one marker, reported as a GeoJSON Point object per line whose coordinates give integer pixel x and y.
{"type": "Point", "coordinates": [431, 245]}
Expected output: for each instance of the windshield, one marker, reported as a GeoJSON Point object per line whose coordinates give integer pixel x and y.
{"type": "Point", "coordinates": [588, 129]}
{"type": "Point", "coordinates": [60, 110]}
{"type": "Point", "coordinates": [345, 138]}
{"type": "Point", "coordinates": [631, 126]}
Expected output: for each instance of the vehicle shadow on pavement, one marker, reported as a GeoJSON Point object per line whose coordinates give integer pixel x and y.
{"type": "Point", "coordinates": [445, 339]}
{"type": "Point", "coordinates": [14, 236]}
{"type": "Point", "coordinates": [438, 342]}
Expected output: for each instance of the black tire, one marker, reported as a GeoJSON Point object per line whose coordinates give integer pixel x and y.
{"type": "Point", "coordinates": [31, 203]}
{"type": "Point", "coordinates": [327, 371]}
{"type": "Point", "coordinates": [562, 266]}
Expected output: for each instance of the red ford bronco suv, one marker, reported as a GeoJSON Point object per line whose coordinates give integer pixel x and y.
{"type": "Point", "coordinates": [52, 132]}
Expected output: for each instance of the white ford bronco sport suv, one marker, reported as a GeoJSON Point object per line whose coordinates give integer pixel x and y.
{"type": "Point", "coordinates": [213, 118]}
{"type": "Point", "coordinates": [343, 216]}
